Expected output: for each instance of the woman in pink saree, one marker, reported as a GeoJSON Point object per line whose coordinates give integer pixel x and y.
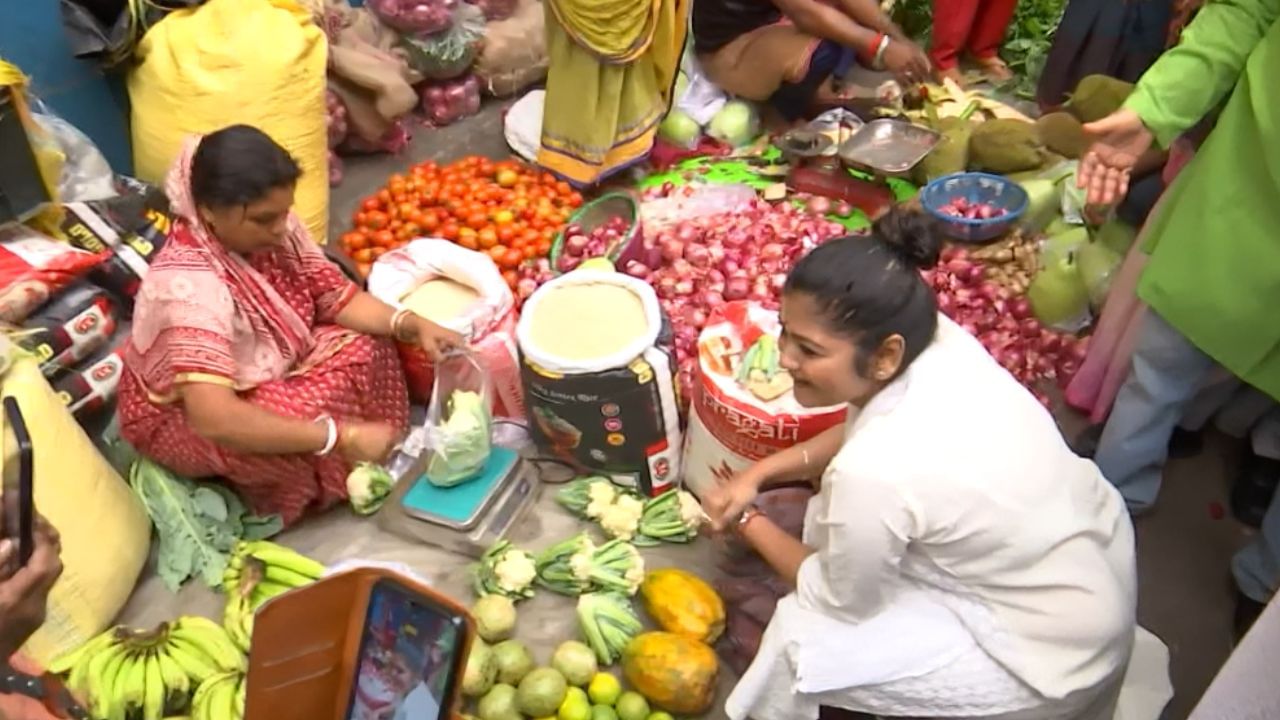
{"type": "Point", "coordinates": [252, 358]}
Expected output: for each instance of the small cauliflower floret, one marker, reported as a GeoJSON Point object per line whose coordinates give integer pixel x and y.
{"type": "Point", "coordinates": [368, 486]}
{"type": "Point", "coordinates": [622, 518]}
{"type": "Point", "coordinates": [602, 495]}
{"type": "Point", "coordinates": [635, 574]}
{"type": "Point", "coordinates": [691, 513]}
{"type": "Point", "coordinates": [580, 564]}
{"type": "Point", "coordinates": [515, 571]}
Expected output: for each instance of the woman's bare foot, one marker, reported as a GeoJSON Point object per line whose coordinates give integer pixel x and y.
{"type": "Point", "coordinates": [952, 74]}
{"type": "Point", "coordinates": [995, 69]}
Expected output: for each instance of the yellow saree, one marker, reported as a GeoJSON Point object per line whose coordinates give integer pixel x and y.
{"type": "Point", "coordinates": [612, 67]}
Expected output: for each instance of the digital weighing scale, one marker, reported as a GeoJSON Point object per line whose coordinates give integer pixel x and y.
{"type": "Point", "coordinates": [466, 518]}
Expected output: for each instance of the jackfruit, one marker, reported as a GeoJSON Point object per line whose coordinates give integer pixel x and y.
{"type": "Point", "coordinates": [951, 154]}
{"type": "Point", "coordinates": [1005, 146]}
{"type": "Point", "coordinates": [1097, 96]}
{"type": "Point", "coordinates": [1063, 134]}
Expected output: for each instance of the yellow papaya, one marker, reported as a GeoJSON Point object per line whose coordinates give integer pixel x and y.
{"type": "Point", "coordinates": [676, 673]}
{"type": "Point", "coordinates": [683, 603]}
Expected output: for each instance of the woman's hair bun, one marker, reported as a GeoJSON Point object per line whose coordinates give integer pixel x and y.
{"type": "Point", "coordinates": [912, 235]}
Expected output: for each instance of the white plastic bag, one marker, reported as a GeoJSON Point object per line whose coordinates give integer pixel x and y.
{"type": "Point", "coordinates": [701, 99]}
{"type": "Point", "coordinates": [523, 125]}
{"type": "Point", "coordinates": [459, 427]}
{"type": "Point", "coordinates": [489, 324]}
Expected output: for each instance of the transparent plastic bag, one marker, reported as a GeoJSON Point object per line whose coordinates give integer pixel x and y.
{"type": "Point", "coordinates": [448, 102]}
{"type": "Point", "coordinates": [459, 427]}
{"type": "Point", "coordinates": [414, 16]}
{"type": "Point", "coordinates": [448, 54]}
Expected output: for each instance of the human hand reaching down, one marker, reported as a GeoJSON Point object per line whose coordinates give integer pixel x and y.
{"type": "Point", "coordinates": [24, 591]}
{"type": "Point", "coordinates": [1117, 142]}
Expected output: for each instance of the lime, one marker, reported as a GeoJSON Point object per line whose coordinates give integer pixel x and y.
{"type": "Point", "coordinates": [597, 263]}
{"type": "Point", "coordinates": [576, 706]}
{"type": "Point", "coordinates": [660, 715]}
{"type": "Point", "coordinates": [603, 712]}
{"type": "Point", "coordinates": [604, 689]}
{"type": "Point", "coordinates": [631, 705]}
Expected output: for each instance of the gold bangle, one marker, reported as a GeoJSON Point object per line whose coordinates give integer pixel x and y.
{"type": "Point", "coordinates": [397, 324]}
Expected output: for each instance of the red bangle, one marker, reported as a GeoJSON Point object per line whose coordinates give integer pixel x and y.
{"type": "Point", "coordinates": [869, 53]}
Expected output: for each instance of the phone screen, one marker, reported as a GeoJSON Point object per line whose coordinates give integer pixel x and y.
{"type": "Point", "coordinates": [15, 500]}
{"type": "Point", "coordinates": [409, 659]}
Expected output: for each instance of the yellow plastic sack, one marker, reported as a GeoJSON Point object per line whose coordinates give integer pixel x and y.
{"type": "Point", "coordinates": [226, 62]}
{"type": "Point", "coordinates": [49, 157]}
{"type": "Point", "coordinates": [106, 534]}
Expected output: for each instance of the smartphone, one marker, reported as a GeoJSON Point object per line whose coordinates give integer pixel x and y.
{"type": "Point", "coordinates": [17, 494]}
{"type": "Point", "coordinates": [410, 657]}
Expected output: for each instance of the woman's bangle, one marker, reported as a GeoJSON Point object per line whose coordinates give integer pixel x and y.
{"type": "Point", "coordinates": [869, 53]}
{"type": "Point", "coordinates": [747, 516]}
{"type": "Point", "coordinates": [877, 61]}
{"type": "Point", "coordinates": [331, 439]}
{"type": "Point", "coordinates": [805, 453]}
{"type": "Point", "coordinates": [397, 324]}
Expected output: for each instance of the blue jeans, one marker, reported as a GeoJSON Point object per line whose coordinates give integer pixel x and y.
{"type": "Point", "coordinates": [1167, 372]}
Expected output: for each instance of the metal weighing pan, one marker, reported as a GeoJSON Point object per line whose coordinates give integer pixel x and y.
{"type": "Point", "coordinates": [888, 147]}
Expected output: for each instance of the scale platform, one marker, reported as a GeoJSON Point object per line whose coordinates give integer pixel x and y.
{"type": "Point", "coordinates": [466, 518]}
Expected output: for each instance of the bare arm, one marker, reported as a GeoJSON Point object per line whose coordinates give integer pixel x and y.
{"type": "Point", "coordinates": [783, 552]}
{"type": "Point", "coordinates": [367, 314]}
{"type": "Point", "coordinates": [869, 14]}
{"type": "Point", "coordinates": [802, 461]}
{"type": "Point", "coordinates": [827, 22]}
{"type": "Point", "coordinates": [217, 414]}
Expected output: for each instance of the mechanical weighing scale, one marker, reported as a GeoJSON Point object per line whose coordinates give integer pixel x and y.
{"type": "Point", "coordinates": [466, 518]}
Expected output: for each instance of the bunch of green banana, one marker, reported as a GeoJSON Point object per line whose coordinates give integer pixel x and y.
{"type": "Point", "coordinates": [268, 570]}
{"type": "Point", "coordinates": [763, 357]}
{"type": "Point", "coordinates": [125, 672]}
{"type": "Point", "coordinates": [221, 697]}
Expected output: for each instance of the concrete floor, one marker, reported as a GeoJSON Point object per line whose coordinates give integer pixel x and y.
{"type": "Point", "coordinates": [1184, 546]}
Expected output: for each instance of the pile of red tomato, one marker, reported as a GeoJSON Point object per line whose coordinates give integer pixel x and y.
{"type": "Point", "coordinates": [507, 209]}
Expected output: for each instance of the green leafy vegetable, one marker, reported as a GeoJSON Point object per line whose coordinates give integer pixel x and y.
{"type": "Point", "coordinates": [460, 446]}
{"type": "Point", "coordinates": [197, 524]}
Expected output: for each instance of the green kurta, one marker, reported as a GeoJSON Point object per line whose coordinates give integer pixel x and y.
{"type": "Point", "coordinates": [1214, 272]}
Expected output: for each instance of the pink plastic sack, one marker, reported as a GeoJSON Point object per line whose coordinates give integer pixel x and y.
{"type": "Point", "coordinates": [447, 102]}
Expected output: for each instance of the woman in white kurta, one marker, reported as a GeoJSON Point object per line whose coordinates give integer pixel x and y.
{"type": "Point", "coordinates": [958, 560]}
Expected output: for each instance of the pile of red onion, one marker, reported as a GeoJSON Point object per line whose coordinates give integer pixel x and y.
{"type": "Point", "coordinates": [698, 265]}
{"type": "Point", "coordinates": [581, 244]}
{"type": "Point", "coordinates": [1003, 323]}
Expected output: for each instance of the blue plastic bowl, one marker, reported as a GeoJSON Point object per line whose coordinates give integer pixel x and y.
{"type": "Point", "coordinates": [975, 187]}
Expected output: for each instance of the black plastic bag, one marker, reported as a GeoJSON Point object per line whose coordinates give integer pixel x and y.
{"type": "Point", "coordinates": [108, 30]}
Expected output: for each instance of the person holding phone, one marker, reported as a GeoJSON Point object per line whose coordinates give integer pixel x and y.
{"type": "Point", "coordinates": [252, 357]}
{"type": "Point", "coordinates": [24, 589]}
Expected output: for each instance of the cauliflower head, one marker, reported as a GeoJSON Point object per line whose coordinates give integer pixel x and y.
{"type": "Point", "coordinates": [601, 495]}
{"type": "Point", "coordinates": [515, 571]}
{"type": "Point", "coordinates": [691, 513]}
{"type": "Point", "coordinates": [622, 518]}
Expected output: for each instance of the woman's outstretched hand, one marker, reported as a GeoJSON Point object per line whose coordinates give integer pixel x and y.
{"type": "Point", "coordinates": [434, 339]}
{"type": "Point", "coordinates": [1118, 140]}
{"type": "Point", "coordinates": [727, 500]}
{"type": "Point", "coordinates": [370, 442]}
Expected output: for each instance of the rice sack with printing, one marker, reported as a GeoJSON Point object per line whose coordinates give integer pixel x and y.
{"type": "Point", "coordinates": [742, 408]}
{"type": "Point", "coordinates": [598, 371]}
{"type": "Point", "coordinates": [462, 290]}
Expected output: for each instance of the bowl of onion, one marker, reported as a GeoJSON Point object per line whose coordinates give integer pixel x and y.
{"type": "Point", "coordinates": [975, 207]}
{"type": "Point", "coordinates": [607, 227]}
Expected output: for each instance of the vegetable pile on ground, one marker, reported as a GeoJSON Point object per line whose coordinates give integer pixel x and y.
{"type": "Point", "coordinates": [191, 666]}
{"type": "Point", "coordinates": [505, 208]}
{"type": "Point", "coordinates": [1003, 323]}
{"type": "Point", "coordinates": [701, 263]}
{"type": "Point", "coordinates": [671, 670]}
